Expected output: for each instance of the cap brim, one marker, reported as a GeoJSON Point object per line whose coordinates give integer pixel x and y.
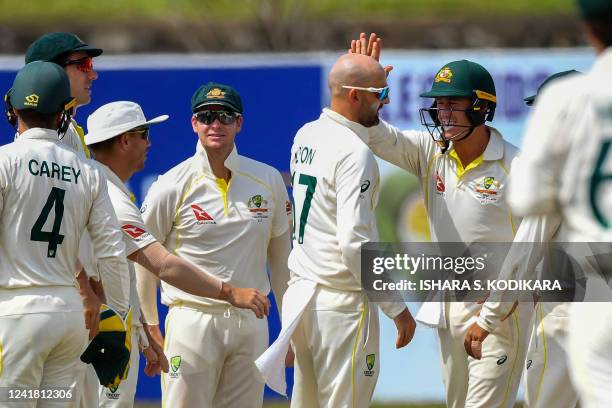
{"type": "Point", "coordinates": [216, 103]}
{"type": "Point", "coordinates": [448, 92]}
{"type": "Point", "coordinates": [529, 100]}
{"type": "Point", "coordinates": [91, 51]}
{"type": "Point", "coordinates": [105, 134]}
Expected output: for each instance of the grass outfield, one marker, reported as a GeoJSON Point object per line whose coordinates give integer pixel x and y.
{"type": "Point", "coordinates": [126, 10]}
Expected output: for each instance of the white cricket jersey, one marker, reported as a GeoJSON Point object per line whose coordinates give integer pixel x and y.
{"type": "Point", "coordinates": [48, 197]}
{"type": "Point", "coordinates": [463, 204]}
{"type": "Point", "coordinates": [566, 163]}
{"type": "Point", "coordinates": [222, 228]}
{"type": "Point", "coordinates": [135, 235]}
{"type": "Point", "coordinates": [335, 191]}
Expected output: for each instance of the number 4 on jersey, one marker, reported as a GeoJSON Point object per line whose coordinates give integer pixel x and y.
{"type": "Point", "coordinates": [54, 238]}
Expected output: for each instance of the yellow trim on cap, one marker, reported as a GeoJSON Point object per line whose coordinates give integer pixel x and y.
{"type": "Point", "coordinates": [363, 311]}
{"type": "Point", "coordinates": [486, 96]}
{"type": "Point", "coordinates": [462, 170]}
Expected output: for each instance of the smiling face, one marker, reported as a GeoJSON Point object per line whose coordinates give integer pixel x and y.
{"type": "Point", "coordinates": [371, 104]}
{"type": "Point", "coordinates": [80, 81]}
{"type": "Point", "coordinates": [217, 136]}
{"type": "Point", "coordinates": [452, 116]}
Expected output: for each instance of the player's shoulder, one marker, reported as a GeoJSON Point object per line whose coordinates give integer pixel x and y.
{"type": "Point", "coordinates": [260, 171]}
{"type": "Point", "coordinates": [172, 182]}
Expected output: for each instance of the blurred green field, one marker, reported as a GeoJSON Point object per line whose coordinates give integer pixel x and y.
{"type": "Point", "coordinates": [235, 10]}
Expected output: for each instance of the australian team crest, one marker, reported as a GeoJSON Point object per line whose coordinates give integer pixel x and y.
{"type": "Point", "coordinates": [370, 362]}
{"type": "Point", "coordinates": [444, 75]}
{"type": "Point", "coordinates": [487, 190]}
{"type": "Point", "coordinates": [216, 93]}
{"type": "Point", "coordinates": [258, 206]}
{"type": "Point", "coordinates": [175, 365]}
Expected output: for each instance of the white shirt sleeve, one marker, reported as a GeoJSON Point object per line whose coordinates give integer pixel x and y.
{"type": "Point", "coordinates": [405, 149]}
{"type": "Point", "coordinates": [282, 207]}
{"type": "Point", "coordinates": [535, 174]}
{"type": "Point", "coordinates": [158, 210]}
{"type": "Point", "coordinates": [109, 248]}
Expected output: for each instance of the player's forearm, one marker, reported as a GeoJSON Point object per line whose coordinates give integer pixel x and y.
{"type": "Point", "coordinates": [278, 254]}
{"type": "Point", "coordinates": [392, 145]}
{"type": "Point", "coordinates": [146, 286]}
{"type": "Point", "coordinates": [178, 272]}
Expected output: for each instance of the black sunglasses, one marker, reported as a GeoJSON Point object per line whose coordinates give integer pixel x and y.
{"type": "Point", "coordinates": [142, 132]}
{"type": "Point", "coordinates": [209, 116]}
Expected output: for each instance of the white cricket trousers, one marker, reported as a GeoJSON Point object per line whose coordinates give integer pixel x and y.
{"type": "Point", "coordinates": [493, 380]}
{"type": "Point", "coordinates": [590, 344]}
{"type": "Point", "coordinates": [212, 353]}
{"type": "Point", "coordinates": [337, 359]}
{"type": "Point", "coordinates": [41, 350]}
{"type": "Point", "coordinates": [547, 377]}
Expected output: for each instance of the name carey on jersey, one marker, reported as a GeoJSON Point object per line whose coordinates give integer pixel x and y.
{"type": "Point", "coordinates": [54, 170]}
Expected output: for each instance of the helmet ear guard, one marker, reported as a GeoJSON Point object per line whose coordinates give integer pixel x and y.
{"type": "Point", "coordinates": [9, 112]}
{"type": "Point", "coordinates": [66, 117]}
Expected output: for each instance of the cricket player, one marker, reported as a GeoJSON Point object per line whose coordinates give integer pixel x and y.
{"type": "Point", "coordinates": [463, 166]}
{"type": "Point", "coordinates": [48, 197]}
{"type": "Point", "coordinates": [335, 187]}
{"type": "Point", "coordinates": [76, 57]}
{"type": "Point", "coordinates": [228, 215]}
{"type": "Point", "coordinates": [547, 378]}
{"type": "Point", "coordinates": [567, 145]}
{"type": "Point", "coordinates": [118, 136]}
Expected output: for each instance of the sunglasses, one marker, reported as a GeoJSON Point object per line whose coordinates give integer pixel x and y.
{"type": "Point", "coordinates": [142, 132]}
{"type": "Point", "coordinates": [209, 116]}
{"type": "Point", "coordinates": [383, 93]}
{"type": "Point", "coordinates": [84, 64]}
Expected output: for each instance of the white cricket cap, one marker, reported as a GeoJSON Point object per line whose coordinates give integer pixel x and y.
{"type": "Point", "coordinates": [115, 118]}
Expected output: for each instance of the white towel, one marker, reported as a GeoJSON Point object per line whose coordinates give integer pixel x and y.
{"type": "Point", "coordinates": [271, 364]}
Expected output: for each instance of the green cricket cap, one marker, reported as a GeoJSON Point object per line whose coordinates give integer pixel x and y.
{"type": "Point", "coordinates": [41, 86]}
{"type": "Point", "coordinates": [52, 45]}
{"type": "Point", "coordinates": [531, 99]}
{"type": "Point", "coordinates": [214, 93]}
{"type": "Point", "coordinates": [594, 9]}
{"type": "Point", "coordinates": [463, 78]}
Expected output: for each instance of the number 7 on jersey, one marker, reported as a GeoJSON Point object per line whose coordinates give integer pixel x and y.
{"type": "Point", "coordinates": [311, 184]}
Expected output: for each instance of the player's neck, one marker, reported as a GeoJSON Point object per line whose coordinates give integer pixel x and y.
{"type": "Point", "coordinates": [216, 160]}
{"type": "Point", "coordinates": [470, 148]}
{"type": "Point", "coordinates": [120, 167]}
{"type": "Point", "coordinates": [344, 110]}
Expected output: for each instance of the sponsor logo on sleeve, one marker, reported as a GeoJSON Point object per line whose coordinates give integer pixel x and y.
{"type": "Point", "coordinates": [134, 232]}
{"type": "Point", "coordinates": [440, 187]}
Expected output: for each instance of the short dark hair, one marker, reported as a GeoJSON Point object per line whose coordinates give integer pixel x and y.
{"type": "Point", "coordinates": [34, 119]}
{"type": "Point", "coordinates": [103, 146]}
{"type": "Point", "coordinates": [602, 29]}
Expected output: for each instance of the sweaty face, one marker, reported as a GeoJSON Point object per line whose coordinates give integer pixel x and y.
{"type": "Point", "coordinates": [80, 82]}
{"type": "Point", "coordinates": [217, 136]}
{"type": "Point", "coordinates": [452, 116]}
